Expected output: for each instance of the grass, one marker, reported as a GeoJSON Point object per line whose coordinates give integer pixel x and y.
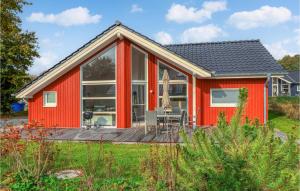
{"type": "Point", "coordinates": [125, 162]}
{"type": "Point", "coordinates": [285, 124]}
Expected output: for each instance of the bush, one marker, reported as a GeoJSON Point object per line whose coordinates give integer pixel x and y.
{"type": "Point", "coordinates": [288, 106]}
{"type": "Point", "coordinates": [238, 156]}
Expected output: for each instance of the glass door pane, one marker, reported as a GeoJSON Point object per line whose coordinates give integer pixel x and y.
{"type": "Point", "coordinates": [138, 102]}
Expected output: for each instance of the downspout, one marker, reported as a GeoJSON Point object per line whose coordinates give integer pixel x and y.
{"type": "Point", "coordinates": [265, 98]}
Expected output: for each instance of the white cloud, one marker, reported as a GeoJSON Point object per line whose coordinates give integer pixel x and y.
{"type": "Point", "coordinates": [182, 14]}
{"type": "Point", "coordinates": [280, 49]}
{"type": "Point", "coordinates": [288, 46]}
{"type": "Point", "coordinates": [264, 16]}
{"type": "Point", "coordinates": [163, 38]}
{"type": "Point", "coordinates": [44, 62]}
{"type": "Point", "coordinates": [69, 17]}
{"type": "Point", "coordinates": [201, 34]}
{"type": "Point", "coordinates": [136, 8]}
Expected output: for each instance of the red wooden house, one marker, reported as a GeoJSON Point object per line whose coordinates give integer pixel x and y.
{"type": "Point", "coordinates": [120, 70]}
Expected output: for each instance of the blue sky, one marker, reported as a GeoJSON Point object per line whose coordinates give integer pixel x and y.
{"type": "Point", "coordinates": [63, 26]}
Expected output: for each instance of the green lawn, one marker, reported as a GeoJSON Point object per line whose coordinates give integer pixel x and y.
{"type": "Point", "coordinates": [285, 124]}
{"type": "Point", "coordinates": [121, 161]}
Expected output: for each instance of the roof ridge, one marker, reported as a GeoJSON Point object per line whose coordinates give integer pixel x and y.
{"type": "Point", "coordinates": [215, 42]}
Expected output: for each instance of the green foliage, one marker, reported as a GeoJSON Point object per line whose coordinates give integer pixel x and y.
{"type": "Point", "coordinates": [17, 51]}
{"type": "Point", "coordinates": [46, 182]}
{"type": "Point", "coordinates": [285, 124]}
{"type": "Point", "coordinates": [288, 106]}
{"type": "Point", "coordinates": [290, 63]}
{"type": "Point", "coordinates": [238, 156]}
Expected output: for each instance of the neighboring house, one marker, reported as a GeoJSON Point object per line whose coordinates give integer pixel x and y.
{"type": "Point", "coordinates": [120, 71]}
{"type": "Point", "coordinates": [288, 85]}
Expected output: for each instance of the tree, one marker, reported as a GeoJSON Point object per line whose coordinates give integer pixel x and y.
{"type": "Point", "coordinates": [17, 50]}
{"type": "Point", "coordinates": [290, 63]}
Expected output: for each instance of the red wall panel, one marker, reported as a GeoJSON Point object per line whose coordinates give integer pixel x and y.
{"type": "Point", "coordinates": [123, 84]}
{"type": "Point", "coordinates": [152, 82]}
{"type": "Point", "coordinates": [67, 112]}
{"type": "Point", "coordinates": [254, 107]}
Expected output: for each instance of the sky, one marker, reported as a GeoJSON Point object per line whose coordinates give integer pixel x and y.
{"type": "Point", "coordinates": [63, 26]}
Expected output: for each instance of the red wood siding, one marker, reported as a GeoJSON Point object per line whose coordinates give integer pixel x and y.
{"type": "Point", "coordinates": [208, 115]}
{"type": "Point", "coordinates": [123, 84]}
{"type": "Point", "coordinates": [67, 112]}
{"type": "Point", "coordinates": [152, 82]}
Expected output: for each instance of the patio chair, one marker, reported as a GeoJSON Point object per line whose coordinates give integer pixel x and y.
{"type": "Point", "coordinates": [138, 115]}
{"type": "Point", "coordinates": [151, 121]}
{"type": "Point", "coordinates": [160, 111]}
{"type": "Point", "coordinates": [182, 121]}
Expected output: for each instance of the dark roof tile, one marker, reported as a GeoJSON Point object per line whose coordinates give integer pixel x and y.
{"type": "Point", "coordinates": [230, 57]}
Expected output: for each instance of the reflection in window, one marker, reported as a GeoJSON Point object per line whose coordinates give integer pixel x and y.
{"type": "Point", "coordinates": [173, 74]}
{"type": "Point", "coordinates": [174, 90]}
{"type": "Point", "coordinates": [224, 97]}
{"type": "Point", "coordinates": [99, 90]}
{"type": "Point", "coordinates": [101, 67]}
{"type": "Point", "coordinates": [138, 65]}
{"type": "Point", "coordinates": [99, 105]}
{"type": "Point", "coordinates": [177, 87]}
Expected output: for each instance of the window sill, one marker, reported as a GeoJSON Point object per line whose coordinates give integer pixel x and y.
{"type": "Point", "coordinates": [223, 105]}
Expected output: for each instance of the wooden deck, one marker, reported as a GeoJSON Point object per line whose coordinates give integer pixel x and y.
{"type": "Point", "coordinates": [130, 135]}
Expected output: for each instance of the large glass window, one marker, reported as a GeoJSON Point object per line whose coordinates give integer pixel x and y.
{"type": "Point", "coordinates": [138, 65]}
{"type": "Point", "coordinates": [139, 84]}
{"type": "Point", "coordinates": [177, 87]}
{"type": "Point", "coordinates": [224, 97]}
{"type": "Point", "coordinates": [102, 67]}
{"type": "Point", "coordinates": [99, 88]}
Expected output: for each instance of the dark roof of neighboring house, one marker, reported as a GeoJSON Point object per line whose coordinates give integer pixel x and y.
{"type": "Point", "coordinates": [229, 58]}
{"type": "Point", "coordinates": [293, 76]}
{"type": "Point", "coordinates": [247, 57]}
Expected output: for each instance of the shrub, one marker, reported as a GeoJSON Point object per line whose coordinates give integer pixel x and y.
{"type": "Point", "coordinates": [238, 156]}
{"type": "Point", "coordinates": [288, 106]}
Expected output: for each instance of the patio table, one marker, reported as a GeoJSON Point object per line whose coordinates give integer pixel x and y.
{"type": "Point", "coordinates": [166, 117]}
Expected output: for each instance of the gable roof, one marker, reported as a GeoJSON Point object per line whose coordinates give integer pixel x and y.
{"type": "Point", "coordinates": [230, 58]}
{"type": "Point", "coordinates": [117, 30]}
{"type": "Point", "coordinates": [234, 58]}
{"type": "Point", "coordinates": [293, 77]}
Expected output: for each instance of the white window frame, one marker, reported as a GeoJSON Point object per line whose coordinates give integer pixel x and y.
{"type": "Point", "coordinates": [175, 82]}
{"type": "Point", "coordinates": [139, 82]}
{"type": "Point", "coordinates": [275, 85]}
{"type": "Point", "coordinates": [222, 104]}
{"type": "Point", "coordinates": [45, 104]}
{"type": "Point", "coordinates": [298, 87]}
{"type": "Point", "coordinates": [99, 82]}
{"type": "Point", "coordinates": [288, 88]}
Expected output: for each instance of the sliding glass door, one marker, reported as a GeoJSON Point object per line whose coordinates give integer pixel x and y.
{"type": "Point", "coordinates": [139, 84]}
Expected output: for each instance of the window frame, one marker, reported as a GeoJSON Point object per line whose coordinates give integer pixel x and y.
{"type": "Point", "coordinates": [285, 86]}
{"type": "Point", "coordinates": [222, 104]}
{"type": "Point", "coordinates": [45, 104]}
{"type": "Point", "coordinates": [99, 82]}
{"type": "Point", "coordinates": [173, 82]}
{"type": "Point", "coordinates": [139, 82]}
{"type": "Point", "coordinates": [298, 87]}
